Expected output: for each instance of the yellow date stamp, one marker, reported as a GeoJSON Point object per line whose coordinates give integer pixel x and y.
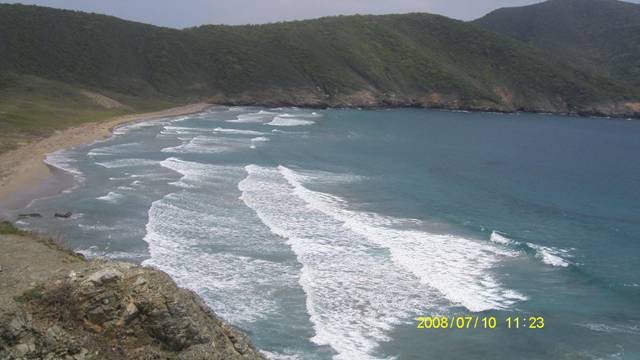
{"type": "Point", "coordinates": [480, 322]}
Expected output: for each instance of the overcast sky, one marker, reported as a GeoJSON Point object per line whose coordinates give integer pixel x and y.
{"type": "Point", "coordinates": [185, 13]}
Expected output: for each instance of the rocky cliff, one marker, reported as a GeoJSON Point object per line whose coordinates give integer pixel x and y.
{"type": "Point", "coordinates": [56, 305]}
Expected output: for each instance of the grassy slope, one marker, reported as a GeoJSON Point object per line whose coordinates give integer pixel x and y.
{"type": "Point", "coordinates": [49, 58]}
{"type": "Point", "coordinates": [32, 108]}
{"type": "Point", "coordinates": [599, 35]}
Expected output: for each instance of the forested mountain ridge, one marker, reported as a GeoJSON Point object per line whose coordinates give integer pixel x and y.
{"type": "Point", "coordinates": [598, 35]}
{"type": "Point", "coordinates": [58, 61]}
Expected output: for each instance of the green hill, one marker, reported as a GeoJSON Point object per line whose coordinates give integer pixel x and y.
{"type": "Point", "coordinates": [414, 59]}
{"type": "Point", "coordinates": [398, 60]}
{"type": "Point", "coordinates": [598, 35]}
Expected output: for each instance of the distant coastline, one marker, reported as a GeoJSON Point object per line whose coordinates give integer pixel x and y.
{"type": "Point", "coordinates": [623, 110]}
{"type": "Point", "coordinates": [26, 176]}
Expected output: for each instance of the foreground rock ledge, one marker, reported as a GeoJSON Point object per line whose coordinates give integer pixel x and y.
{"type": "Point", "coordinates": [56, 305]}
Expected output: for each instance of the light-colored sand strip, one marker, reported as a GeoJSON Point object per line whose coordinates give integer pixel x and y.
{"type": "Point", "coordinates": [23, 168]}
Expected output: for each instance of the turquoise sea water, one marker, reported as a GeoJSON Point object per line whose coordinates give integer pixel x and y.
{"type": "Point", "coordinates": [324, 234]}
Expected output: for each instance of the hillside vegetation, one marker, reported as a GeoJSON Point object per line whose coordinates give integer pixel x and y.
{"type": "Point", "coordinates": [76, 66]}
{"type": "Point", "coordinates": [414, 59]}
{"type": "Point", "coordinates": [598, 35]}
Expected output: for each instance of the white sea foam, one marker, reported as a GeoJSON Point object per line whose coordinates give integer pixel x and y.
{"type": "Point", "coordinates": [241, 288]}
{"type": "Point", "coordinates": [189, 117]}
{"type": "Point", "coordinates": [96, 227]}
{"type": "Point", "coordinates": [152, 176]}
{"type": "Point", "coordinates": [62, 159]}
{"type": "Point", "coordinates": [238, 108]}
{"type": "Point", "coordinates": [195, 174]}
{"type": "Point", "coordinates": [548, 255]}
{"type": "Point", "coordinates": [240, 280]}
{"type": "Point", "coordinates": [289, 121]}
{"type": "Point", "coordinates": [183, 130]}
{"type": "Point", "coordinates": [118, 149]}
{"type": "Point", "coordinates": [361, 271]}
{"type": "Point", "coordinates": [123, 163]}
{"type": "Point", "coordinates": [257, 117]}
{"type": "Point", "coordinates": [290, 132]}
{"type": "Point", "coordinates": [354, 292]}
{"type": "Point", "coordinates": [77, 215]}
{"type": "Point", "coordinates": [112, 197]}
{"type": "Point", "coordinates": [260, 139]}
{"type": "Point", "coordinates": [301, 115]}
{"type": "Point", "coordinates": [278, 356]}
{"type": "Point", "coordinates": [626, 329]}
{"type": "Point", "coordinates": [500, 239]}
{"type": "Point", "coordinates": [457, 267]}
{"type": "Point", "coordinates": [326, 177]}
{"type": "Point", "coordinates": [125, 129]}
{"type": "Point", "coordinates": [238, 131]}
{"type": "Point", "coordinates": [207, 145]}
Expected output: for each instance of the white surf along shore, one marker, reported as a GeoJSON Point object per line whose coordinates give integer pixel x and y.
{"type": "Point", "coordinates": [25, 170]}
{"type": "Point", "coordinates": [362, 273]}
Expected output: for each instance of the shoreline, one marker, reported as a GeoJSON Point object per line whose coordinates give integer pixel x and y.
{"type": "Point", "coordinates": [25, 176]}
{"type": "Point", "coordinates": [31, 178]}
{"type": "Point", "coordinates": [630, 113]}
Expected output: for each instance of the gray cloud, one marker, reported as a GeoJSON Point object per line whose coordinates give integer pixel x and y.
{"type": "Point", "coordinates": [185, 13]}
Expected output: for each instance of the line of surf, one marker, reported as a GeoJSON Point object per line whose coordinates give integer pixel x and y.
{"type": "Point", "coordinates": [548, 255]}
{"type": "Point", "coordinates": [363, 263]}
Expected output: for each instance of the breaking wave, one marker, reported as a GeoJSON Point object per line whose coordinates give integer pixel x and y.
{"type": "Point", "coordinates": [548, 255]}
{"type": "Point", "coordinates": [289, 121]}
{"type": "Point", "coordinates": [357, 263]}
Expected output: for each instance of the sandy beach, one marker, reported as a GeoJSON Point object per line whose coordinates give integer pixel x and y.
{"type": "Point", "coordinates": [24, 175]}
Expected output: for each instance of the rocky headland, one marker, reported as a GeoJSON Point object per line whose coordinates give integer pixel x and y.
{"type": "Point", "coordinates": [55, 304]}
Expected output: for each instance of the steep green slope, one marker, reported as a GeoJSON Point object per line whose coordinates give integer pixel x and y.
{"type": "Point", "coordinates": [96, 50]}
{"type": "Point", "coordinates": [418, 59]}
{"type": "Point", "coordinates": [400, 60]}
{"type": "Point", "coordinates": [600, 35]}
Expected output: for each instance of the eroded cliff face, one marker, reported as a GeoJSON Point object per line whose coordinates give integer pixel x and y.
{"type": "Point", "coordinates": [56, 305]}
{"type": "Point", "coordinates": [504, 100]}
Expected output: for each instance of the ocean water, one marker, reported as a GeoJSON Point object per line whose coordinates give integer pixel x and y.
{"type": "Point", "coordinates": [324, 233]}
